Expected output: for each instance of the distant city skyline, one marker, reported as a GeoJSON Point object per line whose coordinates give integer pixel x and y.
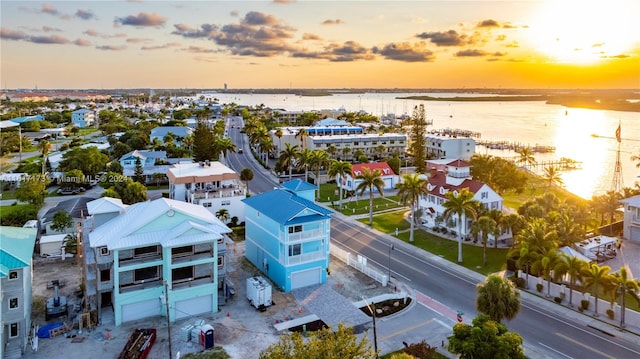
{"type": "Point", "coordinates": [320, 44]}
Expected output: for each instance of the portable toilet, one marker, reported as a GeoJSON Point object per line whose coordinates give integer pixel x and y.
{"type": "Point", "coordinates": [206, 336]}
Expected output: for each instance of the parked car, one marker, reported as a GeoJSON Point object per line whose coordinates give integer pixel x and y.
{"type": "Point", "coordinates": [70, 190]}
{"type": "Point", "coordinates": [240, 151]}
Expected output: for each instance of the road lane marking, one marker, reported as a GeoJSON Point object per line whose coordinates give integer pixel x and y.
{"type": "Point", "coordinates": [415, 326]}
{"type": "Point", "coordinates": [555, 351]}
{"type": "Point", "coordinates": [584, 345]}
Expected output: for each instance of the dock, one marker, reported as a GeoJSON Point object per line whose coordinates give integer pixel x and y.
{"type": "Point", "coordinates": [516, 146]}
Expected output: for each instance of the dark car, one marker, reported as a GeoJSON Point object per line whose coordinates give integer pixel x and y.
{"type": "Point", "coordinates": [240, 151]}
{"type": "Point", "coordinates": [69, 191]}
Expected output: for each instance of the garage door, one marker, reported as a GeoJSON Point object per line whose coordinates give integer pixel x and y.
{"type": "Point", "coordinates": [194, 306]}
{"type": "Point", "coordinates": [635, 234]}
{"type": "Point", "coordinates": [140, 310]}
{"type": "Point", "coordinates": [304, 278]}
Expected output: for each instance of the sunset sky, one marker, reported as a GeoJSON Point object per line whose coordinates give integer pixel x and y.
{"type": "Point", "coordinates": [320, 44]}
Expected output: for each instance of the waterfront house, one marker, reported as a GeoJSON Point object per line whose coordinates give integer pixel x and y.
{"type": "Point", "coordinates": [350, 181]}
{"type": "Point", "coordinates": [455, 176]}
{"type": "Point", "coordinates": [151, 258]}
{"type": "Point", "coordinates": [16, 251]}
{"type": "Point", "coordinates": [631, 226]}
{"type": "Point", "coordinates": [83, 118]}
{"type": "Point", "coordinates": [288, 237]}
{"type": "Point", "coordinates": [449, 147]}
{"type": "Point", "coordinates": [209, 184]}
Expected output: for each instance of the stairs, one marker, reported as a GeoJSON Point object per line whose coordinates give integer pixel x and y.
{"type": "Point", "coordinates": [12, 351]}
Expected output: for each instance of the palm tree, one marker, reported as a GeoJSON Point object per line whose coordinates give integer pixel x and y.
{"type": "Point", "coordinates": [303, 161]}
{"type": "Point", "coordinates": [546, 264]}
{"type": "Point", "coordinates": [596, 278]}
{"type": "Point", "coordinates": [573, 267]}
{"type": "Point", "coordinates": [636, 158]}
{"type": "Point", "coordinates": [622, 285]}
{"type": "Point", "coordinates": [484, 226]}
{"type": "Point", "coordinates": [318, 160]}
{"type": "Point", "coordinates": [498, 298]}
{"type": "Point", "coordinates": [288, 156]}
{"type": "Point", "coordinates": [223, 215]}
{"type": "Point", "coordinates": [460, 204]}
{"type": "Point", "coordinates": [279, 134]}
{"type": "Point", "coordinates": [246, 175]}
{"type": "Point", "coordinates": [339, 170]}
{"type": "Point", "coordinates": [346, 151]}
{"type": "Point", "coordinates": [223, 145]}
{"type": "Point", "coordinates": [539, 236]}
{"type": "Point", "coordinates": [410, 189]}
{"type": "Point", "coordinates": [513, 223]}
{"type": "Point", "coordinates": [45, 146]}
{"type": "Point", "coordinates": [551, 175]}
{"type": "Point", "coordinates": [369, 181]}
{"type": "Point", "coordinates": [525, 157]}
{"type": "Point", "coordinates": [497, 217]}
{"type": "Point", "coordinates": [524, 257]}
{"type": "Point", "coordinates": [302, 133]}
{"type": "Point", "coordinates": [610, 206]}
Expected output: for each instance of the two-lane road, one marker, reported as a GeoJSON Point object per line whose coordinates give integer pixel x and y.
{"type": "Point", "coordinates": [547, 332]}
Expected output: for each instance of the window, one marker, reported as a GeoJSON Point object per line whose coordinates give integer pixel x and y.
{"type": "Point", "coordinates": [295, 229]}
{"type": "Point", "coordinates": [206, 204]}
{"type": "Point", "coordinates": [13, 303]}
{"type": "Point", "coordinates": [484, 195]}
{"type": "Point", "coordinates": [226, 203]}
{"type": "Point", "coordinates": [184, 273]}
{"type": "Point", "coordinates": [13, 274]}
{"type": "Point", "coordinates": [142, 274]}
{"type": "Point", "coordinates": [295, 250]}
{"type": "Point", "coordinates": [13, 330]}
{"type": "Point", "coordinates": [220, 261]}
{"type": "Point", "coordinates": [105, 275]}
{"type": "Point", "coordinates": [104, 251]}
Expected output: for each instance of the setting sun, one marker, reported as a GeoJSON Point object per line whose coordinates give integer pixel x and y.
{"type": "Point", "coordinates": [583, 32]}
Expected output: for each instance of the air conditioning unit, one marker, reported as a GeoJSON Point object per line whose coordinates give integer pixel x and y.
{"type": "Point", "coordinates": [104, 251]}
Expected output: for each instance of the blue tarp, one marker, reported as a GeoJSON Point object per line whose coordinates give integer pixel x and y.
{"type": "Point", "coordinates": [43, 332]}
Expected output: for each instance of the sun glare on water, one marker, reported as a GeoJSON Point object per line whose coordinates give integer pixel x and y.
{"type": "Point", "coordinates": [583, 31]}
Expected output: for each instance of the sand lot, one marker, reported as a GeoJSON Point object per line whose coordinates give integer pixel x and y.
{"type": "Point", "coordinates": [238, 327]}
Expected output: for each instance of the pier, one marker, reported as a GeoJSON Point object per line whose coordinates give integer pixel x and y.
{"type": "Point", "coordinates": [515, 146]}
{"type": "Point", "coordinates": [564, 163]}
{"type": "Point", "coordinates": [455, 132]}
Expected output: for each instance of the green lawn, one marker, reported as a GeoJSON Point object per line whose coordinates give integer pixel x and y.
{"type": "Point", "coordinates": [361, 206]}
{"type": "Point", "coordinates": [388, 222]}
{"type": "Point", "coordinates": [446, 248]}
{"type": "Point", "coordinates": [536, 187]}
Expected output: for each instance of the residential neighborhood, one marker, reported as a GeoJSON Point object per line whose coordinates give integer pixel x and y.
{"type": "Point", "coordinates": [167, 220]}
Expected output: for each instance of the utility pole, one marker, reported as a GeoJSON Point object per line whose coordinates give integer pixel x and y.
{"type": "Point", "coordinates": [166, 300]}
{"type": "Point", "coordinates": [375, 334]}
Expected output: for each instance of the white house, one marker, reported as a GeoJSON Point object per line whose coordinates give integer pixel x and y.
{"type": "Point", "coordinates": [449, 147]}
{"type": "Point", "coordinates": [350, 182]}
{"type": "Point", "coordinates": [455, 177]}
{"type": "Point", "coordinates": [209, 184]}
{"type": "Point", "coordinates": [83, 118]}
{"type": "Point", "coordinates": [631, 227]}
{"type": "Point", "coordinates": [153, 162]}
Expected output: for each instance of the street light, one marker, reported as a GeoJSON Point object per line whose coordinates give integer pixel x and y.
{"type": "Point", "coordinates": [389, 266]}
{"type": "Point", "coordinates": [375, 334]}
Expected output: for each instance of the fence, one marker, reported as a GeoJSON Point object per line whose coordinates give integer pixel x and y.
{"type": "Point", "coordinates": [359, 262]}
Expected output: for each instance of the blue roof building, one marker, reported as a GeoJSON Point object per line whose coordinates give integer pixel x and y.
{"type": "Point", "coordinates": [16, 251]}
{"type": "Point", "coordinates": [288, 235]}
{"type": "Point", "coordinates": [27, 118]}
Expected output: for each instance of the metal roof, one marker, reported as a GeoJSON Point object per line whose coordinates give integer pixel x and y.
{"type": "Point", "coordinates": [16, 248]}
{"type": "Point", "coordinates": [297, 185]}
{"type": "Point", "coordinates": [76, 207]}
{"type": "Point", "coordinates": [285, 207]}
{"type": "Point", "coordinates": [143, 224]}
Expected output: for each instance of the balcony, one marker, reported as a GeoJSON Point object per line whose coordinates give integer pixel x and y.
{"type": "Point", "coordinates": [191, 257]}
{"type": "Point", "coordinates": [209, 191]}
{"type": "Point", "coordinates": [141, 285]}
{"type": "Point", "coordinates": [192, 282]}
{"type": "Point", "coordinates": [298, 236]}
{"type": "Point", "coordinates": [306, 257]}
{"type": "Point", "coordinates": [140, 259]}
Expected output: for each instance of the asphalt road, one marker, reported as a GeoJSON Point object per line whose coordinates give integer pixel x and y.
{"type": "Point", "coordinates": [550, 333]}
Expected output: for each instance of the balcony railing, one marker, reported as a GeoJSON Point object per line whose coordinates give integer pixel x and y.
{"type": "Point", "coordinates": [217, 192]}
{"type": "Point", "coordinates": [305, 235]}
{"type": "Point", "coordinates": [192, 282]}
{"type": "Point", "coordinates": [183, 258]}
{"type": "Point", "coordinates": [147, 258]}
{"type": "Point", "coordinates": [144, 284]}
{"type": "Point", "coordinates": [306, 257]}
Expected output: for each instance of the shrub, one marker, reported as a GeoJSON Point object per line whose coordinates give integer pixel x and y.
{"type": "Point", "coordinates": [557, 300]}
{"type": "Point", "coordinates": [584, 304]}
{"type": "Point", "coordinates": [539, 287]}
{"type": "Point", "coordinates": [610, 313]}
{"type": "Point", "coordinates": [520, 282]}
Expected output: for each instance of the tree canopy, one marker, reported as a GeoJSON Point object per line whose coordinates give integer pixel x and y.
{"type": "Point", "coordinates": [323, 344]}
{"type": "Point", "coordinates": [485, 339]}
